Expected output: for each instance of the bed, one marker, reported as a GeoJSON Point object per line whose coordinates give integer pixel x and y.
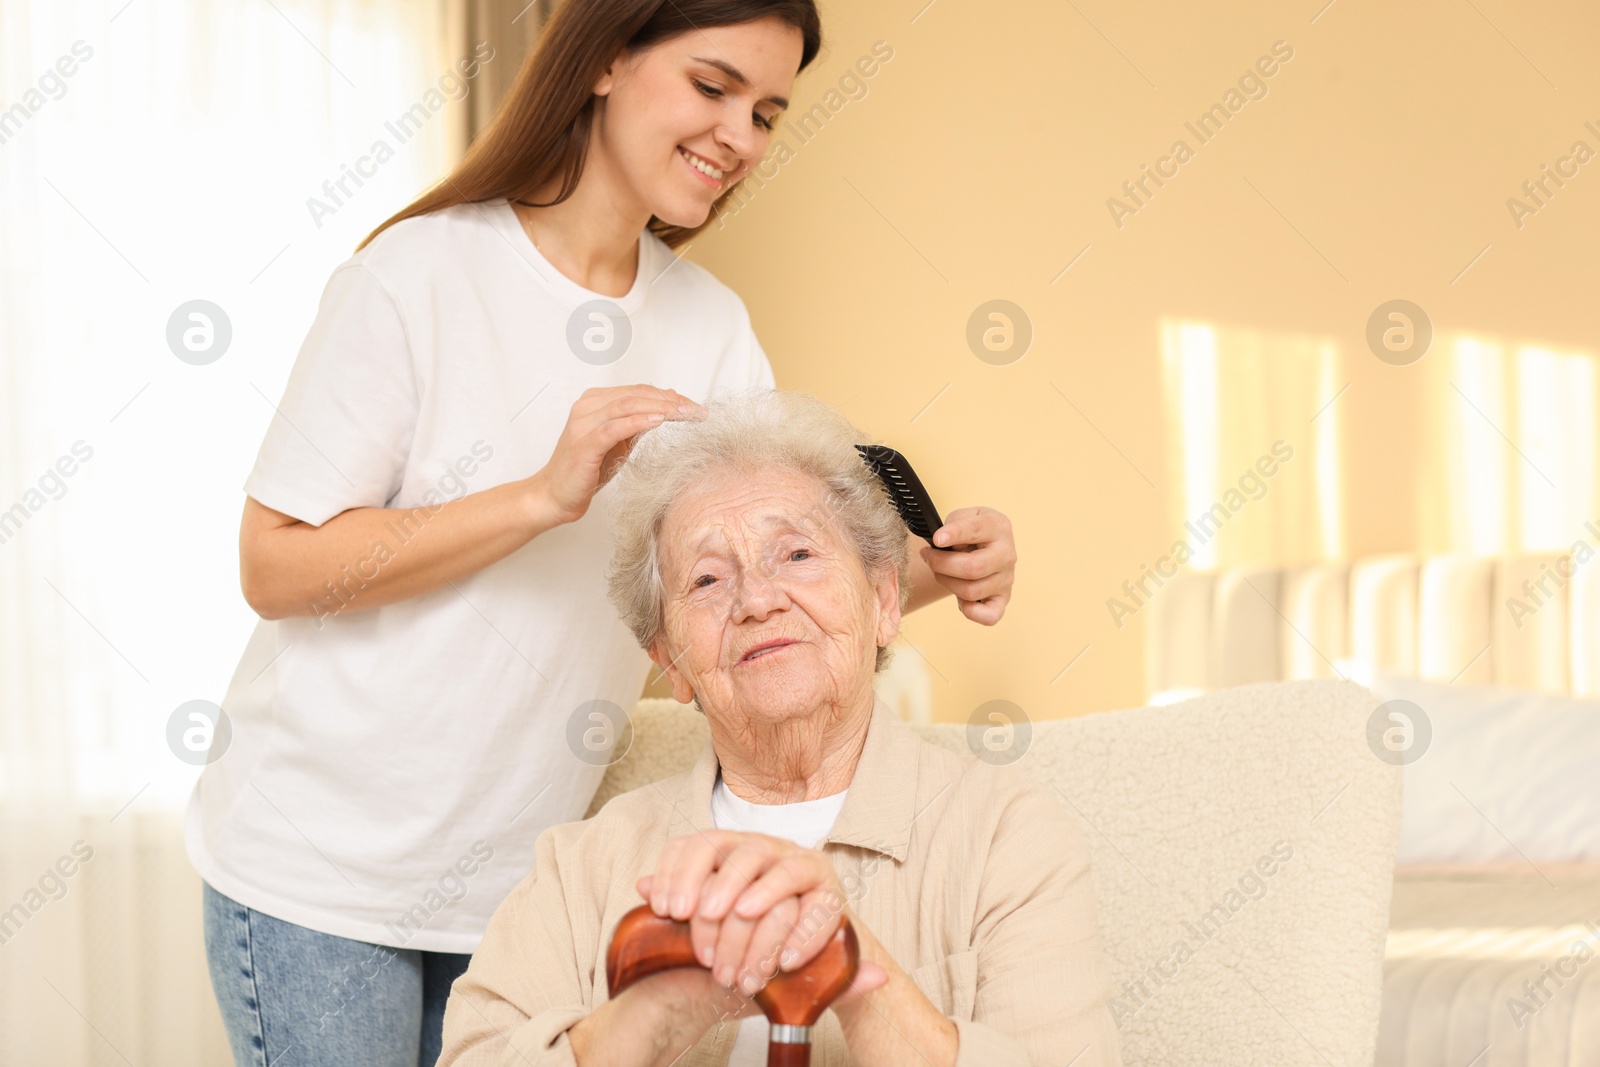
{"type": "Point", "coordinates": [1489, 670]}
{"type": "Point", "coordinates": [1468, 948]}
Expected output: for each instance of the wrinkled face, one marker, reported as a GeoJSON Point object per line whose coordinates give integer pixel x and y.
{"type": "Point", "coordinates": [704, 100]}
{"type": "Point", "coordinates": [749, 561]}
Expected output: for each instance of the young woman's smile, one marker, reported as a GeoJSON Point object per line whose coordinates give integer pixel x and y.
{"type": "Point", "coordinates": [709, 174]}
{"type": "Point", "coordinates": [710, 99]}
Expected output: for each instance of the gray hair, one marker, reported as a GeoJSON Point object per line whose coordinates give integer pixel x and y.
{"type": "Point", "coordinates": [746, 433]}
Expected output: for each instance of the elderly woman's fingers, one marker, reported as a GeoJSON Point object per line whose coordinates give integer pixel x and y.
{"type": "Point", "coordinates": [767, 942]}
{"type": "Point", "coordinates": [733, 942]}
{"type": "Point", "coordinates": [692, 864]}
{"type": "Point", "coordinates": [821, 912]}
{"type": "Point", "coordinates": [797, 873]}
{"type": "Point", "coordinates": [747, 862]}
{"type": "Point", "coordinates": [737, 869]}
{"type": "Point", "coordinates": [684, 865]}
{"type": "Point", "coordinates": [703, 934]}
{"type": "Point", "coordinates": [747, 897]}
{"type": "Point", "coordinates": [659, 894]}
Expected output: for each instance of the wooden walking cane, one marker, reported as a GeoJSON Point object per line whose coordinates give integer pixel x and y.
{"type": "Point", "coordinates": [792, 1001]}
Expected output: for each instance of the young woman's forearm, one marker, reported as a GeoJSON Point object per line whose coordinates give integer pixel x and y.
{"type": "Point", "coordinates": [368, 557]}
{"type": "Point", "coordinates": [925, 588]}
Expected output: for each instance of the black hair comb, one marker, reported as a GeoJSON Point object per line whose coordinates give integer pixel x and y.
{"type": "Point", "coordinates": [910, 499]}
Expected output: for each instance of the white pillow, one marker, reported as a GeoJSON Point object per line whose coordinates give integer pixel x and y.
{"type": "Point", "coordinates": [1508, 775]}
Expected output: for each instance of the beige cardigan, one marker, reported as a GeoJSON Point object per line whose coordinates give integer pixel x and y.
{"type": "Point", "coordinates": [971, 875]}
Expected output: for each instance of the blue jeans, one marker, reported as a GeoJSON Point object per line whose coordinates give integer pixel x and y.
{"type": "Point", "coordinates": [292, 997]}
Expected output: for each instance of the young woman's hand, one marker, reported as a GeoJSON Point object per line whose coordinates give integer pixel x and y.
{"type": "Point", "coordinates": [983, 567]}
{"type": "Point", "coordinates": [600, 430]}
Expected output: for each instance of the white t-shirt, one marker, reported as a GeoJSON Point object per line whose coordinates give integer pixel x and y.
{"type": "Point", "coordinates": [805, 823]}
{"type": "Point", "coordinates": [389, 769]}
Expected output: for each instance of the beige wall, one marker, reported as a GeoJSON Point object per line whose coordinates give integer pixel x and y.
{"type": "Point", "coordinates": [979, 163]}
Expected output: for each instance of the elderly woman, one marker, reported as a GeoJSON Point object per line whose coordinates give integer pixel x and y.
{"type": "Point", "coordinates": [762, 566]}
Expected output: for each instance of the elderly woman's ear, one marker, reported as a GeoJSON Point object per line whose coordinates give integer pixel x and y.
{"type": "Point", "coordinates": [682, 691]}
{"type": "Point", "coordinates": [888, 588]}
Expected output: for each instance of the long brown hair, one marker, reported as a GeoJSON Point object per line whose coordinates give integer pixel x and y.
{"type": "Point", "coordinates": [542, 128]}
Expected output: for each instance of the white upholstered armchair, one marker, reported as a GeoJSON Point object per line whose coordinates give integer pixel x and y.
{"type": "Point", "coordinates": [1214, 960]}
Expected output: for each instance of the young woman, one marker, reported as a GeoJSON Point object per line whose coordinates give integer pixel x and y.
{"type": "Point", "coordinates": [438, 675]}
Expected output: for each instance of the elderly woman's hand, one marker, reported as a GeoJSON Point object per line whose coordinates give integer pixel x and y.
{"type": "Point", "coordinates": [654, 1021]}
{"type": "Point", "coordinates": [751, 899]}
{"type": "Point", "coordinates": [755, 904]}
{"type": "Point", "coordinates": [983, 566]}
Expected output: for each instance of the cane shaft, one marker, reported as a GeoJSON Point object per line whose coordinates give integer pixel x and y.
{"type": "Point", "coordinates": [779, 1055]}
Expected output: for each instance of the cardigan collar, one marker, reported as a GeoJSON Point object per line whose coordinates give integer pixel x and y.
{"type": "Point", "coordinates": [878, 811]}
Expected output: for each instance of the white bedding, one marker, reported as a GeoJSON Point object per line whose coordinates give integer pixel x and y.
{"type": "Point", "coordinates": [1498, 775]}
{"type": "Point", "coordinates": [1462, 943]}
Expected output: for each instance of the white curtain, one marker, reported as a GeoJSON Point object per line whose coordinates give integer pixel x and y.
{"type": "Point", "coordinates": [1511, 464]}
{"type": "Point", "coordinates": [154, 153]}
{"type": "Point", "coordinates": [1230, 394]}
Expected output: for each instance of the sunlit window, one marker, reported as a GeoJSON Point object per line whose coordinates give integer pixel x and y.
{"type": "Point", "coordinates": [1476, 483]}
{"type": "Point", "coordinates": [1506, 444]}
{"type": "Point", "coordinates": [1556, 415]}
{"type": "Point", "coordinates": [1190, 354]}
{"type": "Point", "coordinates": [1514, 437]}
{"type": "Point", "coordinates": [1254, 431]}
